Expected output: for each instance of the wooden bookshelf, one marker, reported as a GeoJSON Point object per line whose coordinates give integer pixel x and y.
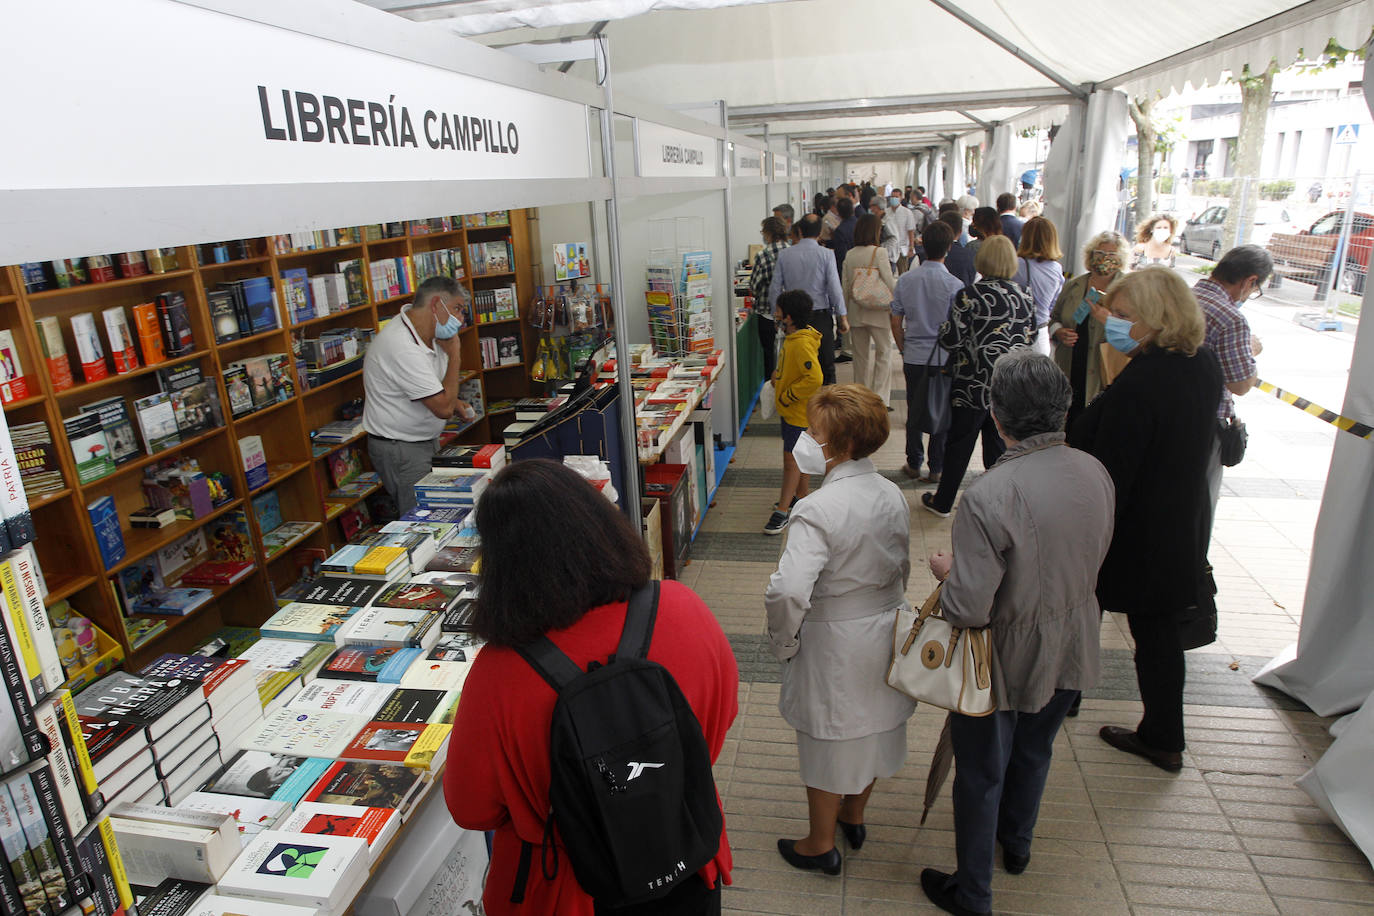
{"type": "Point", "coordinates": [66, 544]}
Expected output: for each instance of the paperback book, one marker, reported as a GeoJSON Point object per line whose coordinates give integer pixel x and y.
{"type": "Point", "coordinates": [299, 869]}
{"type": "Point", "coordinates": [90, 447]}
{"type": "Point", "coordinates": [304, 733]}
{"type": "Point", "coordinates": [260, 774]}
{"type": "Point", "coordinates": [367, 785]}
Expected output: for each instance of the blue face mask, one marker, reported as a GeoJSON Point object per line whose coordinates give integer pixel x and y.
{"type": "Point", "coordinates": [1119, 334]}
{"type": "Point", "coordinates": [447, 329]}
{"type": "Point", "coordinates": [894, 201]}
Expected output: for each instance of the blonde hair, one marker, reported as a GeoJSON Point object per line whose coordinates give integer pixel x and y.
{"type": "Point", "coordinates": [1030, 208]}
{"type": "Point", "coordinates": [1123, 247]}
{"type": "Point", "coordinates": [855, 419]}
{"type": "Point", "coordinates": [1142, 231]}
{"type": "Point", "coordinates": [1163, 302]}
{"type": "Point", "coordinates": [1039, 240]}
{"type": "Point", "coordinates": [996, 258]}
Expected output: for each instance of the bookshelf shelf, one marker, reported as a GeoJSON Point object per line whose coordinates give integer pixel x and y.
{"type": "Point", "coordinates": [223, 265]}
{"type": "Point", "coordinates": [334, 448]}
{"type": "Point", "coordinates": [470, 374]}
{"type": "Point", "coordinates": [5, 299]}
{"type": "Point", "coordinates": [285, 550]}
{"type": "Point", "coordinates": [311, 252]}
{"type": "Point", "coordinates": [488, 324]}
{"type": "Point", "coordinates": [86, 388]}
{"type": "Point", "coordinates": [504, 274]}
{"type": "Point", "coordinates": [500, 410]}
{"type": "Point", "coordinates": [109, 284]}
{"type": "Point", "coordinates": [354, 310]}
{"type": "Point", "coordinates": [447, 233]}
{"type": "Point", "coordinates": [125, 469]}
{"type": "Point", "coordinates": [404, 297]}
{"type": "Point", "coordinates": [139, 542]}
{"type": "Point", "coordinates": [63, 586]}
{"type": "Point", "coordinates": [240, 341]}
{"type": "Point", "coordinates": [519, 365]}
{"type": "Point", "coordinates": [343, 503]}
{"type": "Point", "coordinates": [357, 373]}
{"type": "Point", "coordinates": [263, 411]}
{"type": "Point", "coordinates": [24, 402]}
{"type": "Point", "coordinates": [279, 473]}
{"type": "Point", "coordinates": [47, 499]}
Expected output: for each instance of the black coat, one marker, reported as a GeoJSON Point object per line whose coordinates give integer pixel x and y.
{"type": "Point", "coordinates": [1153, 430]}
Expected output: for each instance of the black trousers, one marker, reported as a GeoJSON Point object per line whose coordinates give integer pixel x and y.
{"type": "Point", "coordinates": [1001, 762]}
{"type": "Point", "coordinates": [691, 899]}
{"type": "Point", "coordinates": [915, 413]}
{"type": "Point", "coordinates": [965, 426]}
{"type": "Point", "coordinates": [768, 339]}
{"type": "Point", "coordinates": [825, 323]}
{"type": "Point", "coordinates": [1159, 671]}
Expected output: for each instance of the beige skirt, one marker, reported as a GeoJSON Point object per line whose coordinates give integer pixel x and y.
{"type": "Point", "coordinates": [847, 766]}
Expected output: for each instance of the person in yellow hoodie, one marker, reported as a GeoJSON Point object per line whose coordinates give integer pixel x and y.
{"type": "Point", "coordinates": [798, 376]}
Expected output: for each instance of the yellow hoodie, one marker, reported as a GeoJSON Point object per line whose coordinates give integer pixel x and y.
{"type": "Point", "coordinates": [798, 375]}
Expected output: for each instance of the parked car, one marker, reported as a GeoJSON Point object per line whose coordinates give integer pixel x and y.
{"type": "Point", "coordinates": [1202, 235]}
{"type": "Point", "coordinates": [1310, 255]}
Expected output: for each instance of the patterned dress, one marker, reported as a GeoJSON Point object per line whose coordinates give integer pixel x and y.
{"type": "Point", "coordinates": [986, 319]}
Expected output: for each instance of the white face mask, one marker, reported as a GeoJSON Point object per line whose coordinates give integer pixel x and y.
{"type": "Point", "coordinates": [1161, 233]}
{"type": "Point", "coordinates": [809, 454]}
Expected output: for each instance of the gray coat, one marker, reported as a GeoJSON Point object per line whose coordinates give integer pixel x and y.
{"type": "Point", "coordinates": [1029, 538]}
{"type": "Point", "coordinates": [833, 603]}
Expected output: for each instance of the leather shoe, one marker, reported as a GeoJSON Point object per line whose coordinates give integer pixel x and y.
{"type": "Point", "coordinates": [828, 862]}
{"type": "Point", "coordinates": [854, 834]}
{"type": "Point", "coordinates": [1013, 863]}
{"type": "Point", "coordinates": [909, 473]}
{"type": "Point", "coordinates": [940, 891]}
{"type": "Point", "coordinates": [1124, 739]}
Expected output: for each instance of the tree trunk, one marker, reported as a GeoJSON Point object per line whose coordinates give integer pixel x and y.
{"type": "Point", "coordinates": [1255, 95]}
{"type": "Point", "coordinates": [1146, 138]}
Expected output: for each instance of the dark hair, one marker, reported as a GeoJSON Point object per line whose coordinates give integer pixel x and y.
{"type": "Point", "coordinates": [819, 203]}
{"type": "Point", "coordinates": [775, 229]}
{"type": "Point", "coordinates": [796, 304]}
{"type": "Point", "coordinates": [949, 206]}
{"type": "Point", "coordinates": [868, 230]}
{"type": "Point", "coordinates": [936, 239]}
{"type": "Point", "coordinates": [921, 189]}
{"type": "Point", "coordinates": [1006, 201]}
{"type": "Point", "coordinates": [824, 204]}
{"type": "Point", "coordinates": [866, 195]}
{"type": "Point", "coordinates": [986, 221]}
{"type": "Point", "coordinates": [553, 548]}
{"type": "Point", "coordinates": [830, 192]}
{"type": "Point", "coordinates": [810, 226]}
{"type": "Point", "coordinates": [953, 220]}
{"type": "Point", "coordinates": [1244, 261]}
{"type": "Point", "coordinates": [844, 207]}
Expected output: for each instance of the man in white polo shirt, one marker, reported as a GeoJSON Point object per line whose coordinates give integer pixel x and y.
{"type": "Point", "coordinates": [410, 377]}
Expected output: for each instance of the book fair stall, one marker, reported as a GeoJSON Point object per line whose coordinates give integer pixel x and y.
{"type": "Point", "coordinates": [226, 669]}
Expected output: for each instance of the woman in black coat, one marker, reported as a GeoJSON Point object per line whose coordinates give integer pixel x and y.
{"type": "Point", "coordinates": [1152, 430]}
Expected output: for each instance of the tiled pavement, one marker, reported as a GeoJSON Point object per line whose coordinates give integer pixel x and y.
{"type": "Point", "coordinates": [1229, 834]}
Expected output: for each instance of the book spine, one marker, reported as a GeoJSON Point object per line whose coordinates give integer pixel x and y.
{"type": "Point", "coordinates": [62, 767]}
{"type": "Point", "coordinates": [103, 892]}
{"type": "Point", "coordinates": [11, 902]}
{"type": "Point", "coordinates": [40, 841]}
{"type": "Point", "coordinates": [19, 639]}
{"type": "Point", "coordinates": [40, 629]}
{"type": "Point", "coordinates": [20, 858]}
{"type": "Point", "coordinates": [64, 843]}
{"type": "Point", "coordinates": [81, 755]}
{"type": "Point", "coordinates": [169, 334]}
{"type": "Point", "coordinates": [116, 864]}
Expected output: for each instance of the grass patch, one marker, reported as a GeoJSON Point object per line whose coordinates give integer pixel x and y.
{"type": "Point", "coordinates": [1204, 269]}
{"type": "Point", "coordinates": [1350, 308]}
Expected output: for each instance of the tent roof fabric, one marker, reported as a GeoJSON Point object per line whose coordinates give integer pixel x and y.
{"type": "Point", "coordinates": [759, 55]}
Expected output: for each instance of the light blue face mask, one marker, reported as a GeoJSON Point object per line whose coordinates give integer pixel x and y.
{"type": "Point", "coordinates": [894, 202]}
{"type": "Point", "coordinates": [447, 329]}
{"type": "Point", "coordinates": [1119, 334]}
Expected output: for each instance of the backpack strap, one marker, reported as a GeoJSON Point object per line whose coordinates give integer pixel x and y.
{"type": "Point", "coordinates": [550, 663]}
{"type": "Point", "coordinates": [639, 622]}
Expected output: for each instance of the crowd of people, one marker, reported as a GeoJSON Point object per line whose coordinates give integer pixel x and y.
{"type": "Point", "coordinates": [1101, 401]}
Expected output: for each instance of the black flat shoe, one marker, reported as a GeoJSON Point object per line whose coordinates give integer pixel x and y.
{"type": "Point", "coordinates": [1013, 863]}
{"type": "Point", "coordinates": [854, 834]}
{"type": "Point", "coordinates": [828, 862]}
{"type": "Point", "coordinates": [940, 892]}
{"type": "Point", "coordinates": [1125, 739]}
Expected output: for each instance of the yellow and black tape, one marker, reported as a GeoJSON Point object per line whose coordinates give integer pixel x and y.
{"type": "Point", "coordinates": [1354, 427]}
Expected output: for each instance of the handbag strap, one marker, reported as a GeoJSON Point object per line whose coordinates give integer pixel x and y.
{"type": "Point", "coordinates": [927, 611]}
{"type": "Point", "coordinates": [874, 258]}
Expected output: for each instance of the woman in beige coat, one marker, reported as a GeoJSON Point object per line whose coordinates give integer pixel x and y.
{"type": "Point", "coordinates": [831, 608]}
{"type": "Point", "coordinates": [870, 324]}
{"type": "Point", "coordinates": [1078, 325]}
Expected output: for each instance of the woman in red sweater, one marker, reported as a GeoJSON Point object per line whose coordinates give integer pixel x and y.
{"type": "Point", "coordinates": [559, 560]}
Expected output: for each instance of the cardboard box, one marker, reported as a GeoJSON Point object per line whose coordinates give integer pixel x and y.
{"type": "Point", "coordinates": [652, 527]}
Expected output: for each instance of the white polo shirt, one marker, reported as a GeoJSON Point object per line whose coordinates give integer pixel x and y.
{"type": "Point", "coordinates": [902, 221]}
{"type": "Point", "coordinates": [399, 372]}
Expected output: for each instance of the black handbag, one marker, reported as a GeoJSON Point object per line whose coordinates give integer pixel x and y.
{"type": "Point", "coordinates": [1198, 623]}
{"type": "Point", "coordinates": [1233, 438]}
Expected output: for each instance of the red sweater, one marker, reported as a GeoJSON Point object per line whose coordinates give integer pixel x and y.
{"type": "Point", "coordinates": [497, 776]}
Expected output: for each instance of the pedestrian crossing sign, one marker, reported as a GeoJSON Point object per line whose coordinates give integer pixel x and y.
{"type": "Point", "coordinates": [1347, 133]}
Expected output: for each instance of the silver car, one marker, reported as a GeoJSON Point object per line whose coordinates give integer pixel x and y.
{"type": "Point", "coordinates": [1203, 235]}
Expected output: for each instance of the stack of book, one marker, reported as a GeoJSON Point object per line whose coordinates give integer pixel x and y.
{"type": "Point", "coordinates": [258, 382]}
{"type": "Point", "coordinates": [313, 240]}
{"type": "Point", "coordinates": [489, 218]}
{"type": "Point", "coordinates": [392, 277]}
{"type": "Point", "coordinates": [490, 257]}
{"type": "Point", "coordinates": [443, 489]}
{"type": "Point", "coordinates": [495, 304]}
{"type": "Point", "coordinates": [228, 685]}
{"type": "Point", "coordinates": [335, 353]}
{"type": "Point", "coordinates": [39, 468]}
{"type": "Point", "coordinates": [242, 308]}
{"type": "Point", "coordinates": [224, 252]}
{"type": "Point", "coordinates": [442, 262]}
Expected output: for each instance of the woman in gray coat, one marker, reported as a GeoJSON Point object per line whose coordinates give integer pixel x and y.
{"type": "Point", "coordinates": [1029, 537]}
{"type": "Point", "coordinates": [831, 607]}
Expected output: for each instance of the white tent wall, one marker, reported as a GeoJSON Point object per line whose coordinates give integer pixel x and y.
{"type": "Point", "coordinates": [998, 172]}
{"type": "Point", "coordinates": [954, 169]}
{"type": "Point", "coordinates": [1081, 171]}
{"type": "Point", "coordinates": [748, 208]}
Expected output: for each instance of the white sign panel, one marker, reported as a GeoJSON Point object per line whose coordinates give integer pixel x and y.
{"type": "Point", "coordinates": [781, 164]}
{"type": "Point", "coordinates": [1347, 133]}
{"type": "Point", "coordinates": [748, 162]}
{"type": "Point", "coordinates": [227, 101]}
{"type": "Point", "coordinates": [666, 152]}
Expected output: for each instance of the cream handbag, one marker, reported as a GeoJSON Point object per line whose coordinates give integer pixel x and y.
{"type": "Point", "coordinates": [939, 664]}
{"type": "Point", "coordinates": [868, 288]}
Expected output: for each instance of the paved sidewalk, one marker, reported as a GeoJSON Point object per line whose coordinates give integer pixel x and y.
{"type": "Point", "coordinates": [1229, 834]}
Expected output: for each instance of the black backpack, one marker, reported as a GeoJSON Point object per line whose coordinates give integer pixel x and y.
{"type": "Point", "coordinates": [631, 790]}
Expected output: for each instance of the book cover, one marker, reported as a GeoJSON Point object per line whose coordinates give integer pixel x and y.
{"type": "Point", "coordinates": [118, 428]}
{"type": "Point", "coordinates": [158, 421]}
{"type": "Point", "coordinates": [254, 460]}
{"type": "Point", "coordinates": [228, 538]}
{"type": "Point", "coordinates": [266, 507]}
{"type": "Point", "coordinates": [240, 394]}
{"type": "Point", "coordinates": [378, 664]}
{"type": "Point", "coordinates": [61, 828]}
{"type": "Point", "coordinates": [181, 554]}
{"type": "Point", "coordinates": [417, 705]}
{"type": "Point", "coordinates": [172, 897]}
{"type": "Point", "coordinates": [375, 825]}
{"type": "Point", "coordinates": [313, 622]}
{"type": "Point", "coordinates": [149, 328]}
{"type": "Point", "coordinates": [194, 409]}
{"type": "Point", "coordinates": [20, 859]}
{"type": "Point", "coordinates": [89, 351]}
{"type": "Point", "coordinates": [454, 559]}
{"type": "Point", "coordinates": [345, 590]}
{"type": "Point", "coordinates": [413, 596]}
{"type": "Point", "coordinates": [122, 348]}
{"type": "Point", "coordinates": [62, 764]}
{"type": "Point", "coordinates": [352, 271]}
{"type": "Point", "coordinates": [380, 561]}
{"type": "Point", "coordinates": [295, 285]}
{"type": "Point", "coordinates": [391, 626]}
{"type": "Point", "coordinates": [367, 785]}
{"type": "Point", "coordinates": [20, 734]}
{"type": "Point", "coordinates": [90, 448]}
{"type": "Point", "coordinates": [355, 698]}
{"type": "Point", "coordinates": [177, 336]}
{"type": "Point", "coordinates": [300, 869]}
{"type": "Point", "coordinates": [22, 567]}
{"type": "Point", "coordinates": [404, 743]}
{"type": "Point", "coordinates": [157, 703]}
{"type": "Point", "coordinates": [109, 536]}
{"type": "Point", "coordinates": [260, 301]}
{"type": "Point", "coordinates": [40, 843]}
{"type": "Point", "coordinates": [13, 385]}
{"type": "Point", "coordinates": [213, 572]}
{"type": "Point", "coordinates": [223, 316]}
{"type": "Point", "coordinates": [251, 815]}
{"type": "Point", "coordinates": [304, 733]}
{"type": "Point", "coordinates": [344, 466]}
{"type": "Point", "coordinates": [261, 774]}
{"type": "Point", "coordinates": [436, 674]}
{"type": "Point", "coordinates": [294, 655]}
{"type": "Point", "coordinates": [55, 353]}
